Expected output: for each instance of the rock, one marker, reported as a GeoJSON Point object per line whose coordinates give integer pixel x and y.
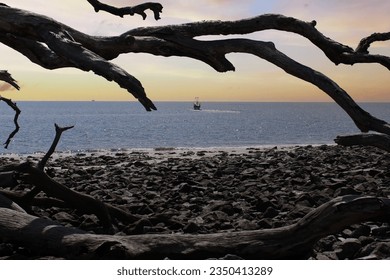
{"type": "Point", "coordinates": [191, 227]}
{"type": "Point", "coordinates": [6, 249]}
{"type": "Point", "coordinates": [245, 224]}
{"type": "Point", "coordinates": [345, 191]}
{"type": "Point", "coordinates": [262, 203]}
{"type": "Point", "coordinates": [271, 212]}
{"type": "Point", "coordinates": [381, 231]}
{"type": "Point", "coordinates": [231, 257]}
{"type": "Point", "coordinates": [361, 230]}
{"type": "Point", "coordinates": [64, 217]}
{"type": "Point", "coordinates": [326, 243]}
{"type": "Point", "coordinates": [375, 251]}
{"type": "Point", "coordinates": [348, 248]}
{"type": "Point", "coordinates": [138, 227]}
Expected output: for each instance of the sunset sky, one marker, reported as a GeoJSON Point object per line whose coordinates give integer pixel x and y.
{"type": "Point", "coordinates": [181, 79]}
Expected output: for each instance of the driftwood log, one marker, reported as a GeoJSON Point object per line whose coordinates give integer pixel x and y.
{"type": "Point", "coordinates": [381, 141]}
{"type": "Point", "coordinates": [289, 242]}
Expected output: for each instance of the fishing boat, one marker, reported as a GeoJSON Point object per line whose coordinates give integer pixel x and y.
{"type": "Point", "coordinates": [197, 104]}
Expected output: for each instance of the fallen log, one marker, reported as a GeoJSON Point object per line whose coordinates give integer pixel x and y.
{"type": "Point", "coordinates": [381, 141]}
{"type": "Point", "coordinates": [289, 242]}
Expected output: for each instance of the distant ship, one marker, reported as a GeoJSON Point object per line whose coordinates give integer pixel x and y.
{"type": "Point", "coordinates": [197, 104]}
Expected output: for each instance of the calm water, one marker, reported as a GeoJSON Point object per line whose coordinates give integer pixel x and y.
{"type": "Point", "coordinates": [123, 125]}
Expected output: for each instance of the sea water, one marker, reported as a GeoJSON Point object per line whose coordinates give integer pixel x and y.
{"type": "Point", "coordinates": [126, 125]}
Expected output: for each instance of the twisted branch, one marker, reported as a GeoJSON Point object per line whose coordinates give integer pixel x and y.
{"type": "Point", "coordinates": [366, 42]}
{"type": "Point", "coordinates": [6, 77]}
{"type": "Point", "coordinates": [13, 106]}
{"type": "Point", "coordinates": [139, 9]}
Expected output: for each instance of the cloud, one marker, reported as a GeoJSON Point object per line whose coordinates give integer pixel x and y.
{"type": "Point", "coordinates": [345, 21]}
{"type": "Point", "coordinates": [6, 86]}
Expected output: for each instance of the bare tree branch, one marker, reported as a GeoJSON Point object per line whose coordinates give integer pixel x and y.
{"type": "Point", "coordinates": [54, 47]}
{"type": "Point", "coordinates": [335, 51]}
{"type": "Point", "coordinates": [6, 77]}
{"type": "Point", "coordinates": [13, 106]}
{"type": "Point", "coordinates": [366, 42]}
{"type": "Point", "coordinates": [59, 131]}
{"type": "Point", "coordinates": [139, 9]}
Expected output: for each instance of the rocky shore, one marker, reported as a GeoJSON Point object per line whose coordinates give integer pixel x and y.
{"type": "Point", "coordinates": [205, 191]}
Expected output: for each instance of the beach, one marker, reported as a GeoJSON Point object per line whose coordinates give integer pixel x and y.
{"type": "Point", "coordinates": [200, 191]}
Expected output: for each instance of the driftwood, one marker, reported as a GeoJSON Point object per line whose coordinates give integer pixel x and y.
{"type": "Point", "coordinates": [6, 77]}
{"type": "Point", "coordinates": [381, 141]}
{"type": "Point", "coordinates": [289, 242]}
{"type": "Point", "coordinates": [139, 9]}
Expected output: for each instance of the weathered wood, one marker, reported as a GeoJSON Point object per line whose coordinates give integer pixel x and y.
{"type": "Point", "coordinates": [26, 31]}
{"type": "Point", "coordinates": [7, 179]}
{"type": "Point", "coordinates": [14, 107]}
{"type": "Point", "coordinates": [381, 141]}
{"type": "Point", "coordinates": [6, 77]}
{"type": "Point", "coordinates": [59, 130]}
{"type": "Point", "coordinates": [139, 9]}
{"type": "Point", "coordinates": [289, 242]}
{"type": "Point", "coordinates": [365, 43]}
{"type": "Point", "coordinates": [5, 202]}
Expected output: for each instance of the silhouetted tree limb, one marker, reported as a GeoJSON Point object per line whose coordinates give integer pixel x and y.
{"type": "Point", "coordinates": [366, 42]}
{"type": "Point", "coordinates": [49, 38]}
{"type": "Point", "coordinates": [59, 131]}
{"type": "Point", "coordinates": [139, 9]}
{"type": "Point", "coordinates": [13, 106]}
{"type": "Point", "coordinates": [6, 77]}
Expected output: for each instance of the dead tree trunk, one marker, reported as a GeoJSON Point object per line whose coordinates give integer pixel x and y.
{"type": "Point", "coordinates": [289, 242]}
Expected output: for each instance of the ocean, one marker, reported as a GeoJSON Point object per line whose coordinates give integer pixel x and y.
{"type": "Point", "coordinates": [125, 125]}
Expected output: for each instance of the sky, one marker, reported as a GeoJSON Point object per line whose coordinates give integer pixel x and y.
{"type": "Point", "coordinates": [181, 79]}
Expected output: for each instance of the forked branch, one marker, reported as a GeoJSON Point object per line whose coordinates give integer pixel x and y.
{"type": "Point", "coordinates": [59, 131]}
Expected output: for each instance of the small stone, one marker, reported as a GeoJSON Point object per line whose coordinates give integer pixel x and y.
{"type": "Point", "coordinates": [348, 248]}
{"type": "Point", "coordinates": [362, 230]}
{"type": "Point", "coordinates": [191, 227]}
{"type": "Point", "coordinates": [245, 224]}
{"type": "Point", "coordinates": [271, 212]}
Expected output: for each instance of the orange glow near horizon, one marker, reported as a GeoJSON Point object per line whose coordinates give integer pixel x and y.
{"type": "Point", "coordinates": [181, 79]}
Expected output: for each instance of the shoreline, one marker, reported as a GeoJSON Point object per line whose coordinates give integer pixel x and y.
{"type": "Point", "coordinates": [161, 151]}
{"type": "Point", "coordinates": [201, 191]}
